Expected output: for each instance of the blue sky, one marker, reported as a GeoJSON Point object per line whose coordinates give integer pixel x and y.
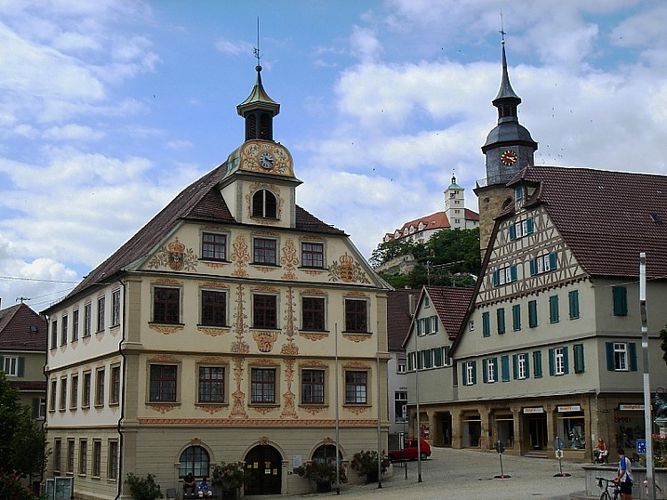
{"type": "Point", "coordinates": [108, 108]}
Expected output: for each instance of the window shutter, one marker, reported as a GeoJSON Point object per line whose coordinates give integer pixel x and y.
{"type": "Point", "coordinates": [610, 356]}
{"type": "Point", "coordinates": [474, 372]}
{"type": "Point", "coordinates": [21, 366]}
{"type": "Point", "coordinates": [632, 353]}
{"type": "Point", "coordinates": [532, 266]}
{"type": "Point", "coordinates": [2, 363]}
{"type": "Point", "coordinates": [553, 309]}
{"type": "Point", "coordinates": [526, 358]}
{"type": "Point", "coordinates": [410, 362]}
{"type": "Point", "coordinates": [512, 232]}
{"type": "Point", "coordinates": [495, 369]}
{"type": "Point", "coordinates": [505, 368]}
{"type": "Point", "coordinates": [35, 407]}
{"type": "Point", "coordinates": [566, 366]}
{"type": "Point", "coordinates": [620, 295]}
{"type": "Point", "coordinates": [515, 366]}
{"type": "Point", "coordinates": [436, 326]}
{"type": "Point", "coordinates": [500, 313]}
{"type": "Point", "coordinates": [464, 378]}
{"type": "Point", "coordinates": [485, 369]}
{"type": "Point", "coordinates": [495, 277]}
{"type": "Point", "coordinates": [486, 324]}
{"type": "Point", "coordinates": [513, 272]}
{"type": "Point", "coordinates": [529, 226]}
{"type": "Point", "coordinates": [574, 304]}
{"type": "Point", "coordinates": [516, 317]}
{"type": "Point", "coordinates": [537, 364]}
{"type": "Point", "coordinates": [437, 356]}
{"type": "Point", "coordinates": [578, 358]}
{"type": "Point", "coordinates": [552, 362]}
{"type": "Point", "coordinates": [532, 313]}
{"type": "Point", "coordinates": [553, 261]}
{"type": "Point", "coordinates": [419, 327]}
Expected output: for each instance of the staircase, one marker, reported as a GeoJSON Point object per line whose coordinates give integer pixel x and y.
{"type": "Point", "coordinates": [536, 454]}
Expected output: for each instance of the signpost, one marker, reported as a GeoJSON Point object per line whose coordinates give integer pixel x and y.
{"type": "Point", "coordinates": [500, 448]}
{"type": "Point", "coordinates": [558, 448]}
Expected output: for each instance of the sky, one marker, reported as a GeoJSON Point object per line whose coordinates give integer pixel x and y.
{"type": "Point", "coordinates": [109, 108]}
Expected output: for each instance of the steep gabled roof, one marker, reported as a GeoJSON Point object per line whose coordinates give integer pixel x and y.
{"type": "Point", "coordinates": [399, 317]}
{"type": "Point", "coordinates": [606, 217]}
{"type": "Point", "coordinates": [200, 201]}
{"type": "Point", "coordinates": [23, 329]}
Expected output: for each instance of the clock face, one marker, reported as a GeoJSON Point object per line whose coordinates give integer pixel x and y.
{"type": "Point", "coordinates": [509, 157]}
{"type": "Point", "coordinates": [266, 160]}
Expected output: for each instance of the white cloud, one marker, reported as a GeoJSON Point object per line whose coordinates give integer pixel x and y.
{"type": "Point", "coordinates": [233, 47]}
{"type": "Point", "coordinates": [365, 44]}
{"type": "Point", "coordinates": [178, 144]}
{"type": "Point", "coordinates": [73, 132]}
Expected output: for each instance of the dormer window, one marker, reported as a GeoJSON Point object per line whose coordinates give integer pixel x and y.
{"type": "Point", "coordinates": [518, 194]}
{"type": "Point", "coordinates": [264, 204]}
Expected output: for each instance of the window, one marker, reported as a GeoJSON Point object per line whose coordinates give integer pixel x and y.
{"type": "Point", "coordinates": [558, 362]}
{"type": "Point", "coordinates": [520, 229]}
{"type": "Point", "coordinates": [52, 395]}
{"type": "Point", "coordinates": [543, 263]}
{"type": "Point", "coordinates": [411, 361]}
{"type": "Point", "coordinates": [356, 387]}
{"type": "Point", "coordinates": [214, 246]}
{"type": "Point", "coordinates": [571, 425]}
{"type": "Point", "coordinates": [578, 358]}
{"type": "Point", "coordinates": [264, 251]}
{"type": "Point", "coordinates": [213, 308]}
{"type": "Point", "coordinates": [166, 305]}
{"type": "Point", "coordinates": [312, 313]}
{"type": "Point", "coordinates": [75, 325]}
{"type": "Point", "coordinates": [500, 316]}
{"type": "Point", "coordinates": [400, 406]}
{"type": "Point", "coordinates": [427, 356]}
{"type": "Point", "coordinates": [74, 392]}
{"type": "Point", "coordinates": [115, 307]}
{"type": "Point", "coordinates": [447, 359]}
{"type": "Point", "coordinates": [114, 393]}
{"type": "Point", "coordinates": [532, 313]}
{"type": "Point", "coordinates": [490, 367]}
{"type": "Point", "coordinates": [620, 350]}
{"type": "Point", "coordinates": [437, 356]}
{"type": "Point", "coordinates": [41, 408]}
{"type": "Point", "coordinates": [469, 373]}
{"type": "Point", "coordinates": [54, 334]}
{"type": "Point", "coordinates": [537, 364]}
{"type": "Point", "coordinates": [554, 315]}
{"type": "Point", "coordinates": [87, 319]}
{"type": "Point", "coordinates": [356, 315]}
{"type": "Point", "coordinates": [83, 456]}
{"type": "Point", "coordinates": [518, 191]}
{"type": "Point", "coordinates": [63, 330]}
{"type": "Point", "coordinates": [13, 366]}
{"type": "Point", "coordinates": [520, 362]}
{"type": "Point", "coordinates": [63, 394]}
{"type": "Point", "coordinates": [97, 458]}
{"type": "Point", "coordinates": [486, 324]}
{"type": "Point", "coordinates": [194, 460]}
{"type": "Point", "coordinates": [99, 387]}
{"type": "Point", "coordinates": [264, 204]}
{"type": "Point", "coordinates": [620, 296]}
{"type": "Point", "coordinates": [400, 365]}
{"type": "Point", "coordinates": [70, 456]}
{"type": "Point", "coordinates": [516, 317]}
{"type": "Point", "coordinates": [504, 275]}
{"type": "Point", "coordinates": [100, 314]}
{"type": "Point", "coordinates": [112, 460]}
{"type": "Point", "coordinates": [264, 311]}
{"type": "Point", "coordinates": [312, 387]}
{"type": "Point", "coordinates": [211, 386]}
{"type": "Point", "coordinates": [162, 383]}
{"type": "Point", "coordinates": [57, 451]}
{"type": "Point", "coordinates": [427, 302]}
{"type": "Point", "coordinates": [573, 301]}
{"type": "Point", "coordinates": [312, 255]}
{"type": "Point", "coordinates": [263, 385]}
{"type": "Point", "coordinates": [85, 390]}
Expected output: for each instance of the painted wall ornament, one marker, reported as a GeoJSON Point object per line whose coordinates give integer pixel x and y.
{"type": "Point", "coordinates": [240, 346]}
{"type": "Point", "coordinates": [240, 256]}
{"type": "Point", "coordinates": [265, 340]}
{"type": "Point", "coordinates": [290, 348]}
{"type": "Point", "coordinates": [289, 410]}
{"type": "Point", "coordinates": [289, 260]}
{"type": "Point", "coordinates": [175, 256]}
{"type": "Point", "coordinates": [346, 269]}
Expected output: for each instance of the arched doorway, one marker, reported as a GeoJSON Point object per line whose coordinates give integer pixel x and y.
{"type": "Point", "coordinates": [263, 471]}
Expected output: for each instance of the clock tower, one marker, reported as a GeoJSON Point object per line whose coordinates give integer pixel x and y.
{"type": "Point", "coordinates": [508, 149]}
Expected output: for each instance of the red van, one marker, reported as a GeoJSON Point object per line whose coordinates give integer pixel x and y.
{"type": "Point", "coordinates": [409, 452]}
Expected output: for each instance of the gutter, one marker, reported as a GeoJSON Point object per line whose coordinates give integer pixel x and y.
{"type": "Point", "coordinates": [119, 482]}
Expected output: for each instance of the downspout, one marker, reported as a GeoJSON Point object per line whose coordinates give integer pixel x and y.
{"type": "Point", "coordinates": [119, 482]}
{"type": "Point", "coordinates": [45, 426]}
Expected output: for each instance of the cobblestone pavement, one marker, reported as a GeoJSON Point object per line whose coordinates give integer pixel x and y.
{"type": "Point", "coordinates": [464, 474]}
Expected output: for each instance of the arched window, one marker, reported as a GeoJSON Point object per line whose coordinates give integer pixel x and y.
{"type": "Point", "coordinates": [264, 204]}
{"type": "Point", "coordinates": [326, 454]}
{"type": "Point", "coordinates": [194, 459]}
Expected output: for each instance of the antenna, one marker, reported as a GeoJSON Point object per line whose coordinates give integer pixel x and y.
{"type": "Point", "coordinates": [21, 299]}
{"type": "Point", "coordinates": [256, 50]}
{"type": "Point", "coordinates": [502, 29]}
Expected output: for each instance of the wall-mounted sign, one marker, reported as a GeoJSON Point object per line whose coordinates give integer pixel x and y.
{"type": "Point", "coordinates": [631, 407]}
{"type": "Point", "coordinates": [534, 409]}
{"type": "Point", "coordinates": [568, 408]}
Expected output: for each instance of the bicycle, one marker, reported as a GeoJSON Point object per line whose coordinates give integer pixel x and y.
{"type": "Point", "coordinates": [616, 493]}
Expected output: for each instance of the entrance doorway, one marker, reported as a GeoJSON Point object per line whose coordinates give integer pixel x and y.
{"type": "Point", "coordinates": [263, 471]}
{"type": "Point", "coordinates": [537, 431]}
{"type": "Point", "coordinates": [446, 425]}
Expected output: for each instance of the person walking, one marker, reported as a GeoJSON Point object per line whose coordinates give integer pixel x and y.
{"type": "Point", "coordinates": [624, 477]}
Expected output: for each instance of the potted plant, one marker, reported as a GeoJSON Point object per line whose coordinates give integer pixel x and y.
{"type": "Point", "coordinates": [322, 473]}
{"type": "Point", "coordinates": [228, 477]}
{"type": "Point", "coordinates": [366, 464]}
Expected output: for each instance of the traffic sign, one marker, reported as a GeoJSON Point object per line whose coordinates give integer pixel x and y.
{"type": "Point", "coordinates": [641, 446]}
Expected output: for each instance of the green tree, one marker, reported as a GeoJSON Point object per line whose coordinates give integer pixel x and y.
{"type": "Point", "coordinates": [663, 338]}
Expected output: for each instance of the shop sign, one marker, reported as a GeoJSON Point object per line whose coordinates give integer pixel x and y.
{"type": "Point", "coordinates": [568, 408]}
{"type": "Point", "coordinates": [534, 409]}
{"type": "Point", "coordinates": [631, 407]}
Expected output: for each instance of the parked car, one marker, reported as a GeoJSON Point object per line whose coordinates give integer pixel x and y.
{"type": "Point", "coordinates": [409, 451]}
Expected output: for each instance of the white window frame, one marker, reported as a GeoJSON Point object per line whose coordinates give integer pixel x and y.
{"type": "Point", "coordinates": [401, 366]}
{"type": "Point", "coordinates": [620, 356]}
{"type": "Point", "coordinates": [559, 361]}
{"type": "Point", "coordinates": [469, 373]}
{"type": "Point", "coordinates": [490, 371]}
{"type": "Point", "coordinates": [10, 366]}
{"type": "Point", "coordinates": [542, 264]}
{"type": "Point", "coordinates": [521, 366]}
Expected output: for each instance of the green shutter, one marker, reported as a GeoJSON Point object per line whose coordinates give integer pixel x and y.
{"type": "Point", "coordinates": [566, 365]}
{"type": "Point", "coordinates": [420, 360]}
{"type": "Point", "coordinates": [486, 324]}
{"type": "Point", "coordinates": [474, 372]}
{"type": "Point", "coordinates": [21, 366]}
{"type": "Point", "coordinates": [410, 362]}
{"type": "Point", "coordinates": [529, 226]}
{"type": "Point", "coordinates": [526, 358]}
{"type": "Point", "coordinates": [632, 353]}
{"type": "Point", "coordinates": [552, 362]}
{"type": "Point", "coordinates": [516, 317]}
{"type": "Point", "coordinates": [463, 374]}
{"type": "Point", "coordinates": [513, 273]}
{"type": "Point", "coordinates": [494, 278]}
{"type": "Point", "coordinates": [437, 356]}
{"type": "Point", "coordinates": [515, 367]}
{"type": "Point", "coordinates": [532, 313]}
{"type": "Point", "coordinates": [495, 369]}
{"type": "Point", "coordinates": [553, 309]}
{"type": "Point", "coordinates": [500, 313]}
{"type": "Point", "coordinates": [532, 267]}
{"type": "Point", "coordinates": [2, 363]}
{"type": "Point", "coordinates": [578, 358]}
{"type": "Point", "coordinates": [573, 297]}
{"type": "Point", "coordinates": [35, 407]}
{"type": "Point", "coordinates": [512, 232]}
{"type": "Point", "coordinates": [537, 364]}
{"type": "Point", "coordinates": [485, 368]}
{"type": "Point", "coordinates": [505, 368]}
{"type": "Point", "coordinates": [436, 326]}
{"type": "Point", "coordinates": [620, 296]}
{"type": "Point", "coordinates": [611, 365]}
{"type": "Point", "coordinates": [553, 260]}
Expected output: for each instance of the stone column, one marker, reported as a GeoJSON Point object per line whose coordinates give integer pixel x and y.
{"type": "Point", "coordinates": [551, 425]}
{"type": "Point", "coordinates": [519, 446]}
{"type": "Point", "coordinates": [486, 436]}
{"type": "Point", "coordinates": [457, 430]}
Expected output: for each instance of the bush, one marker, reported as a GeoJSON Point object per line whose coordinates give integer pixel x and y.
{"type": "Point", "coordinates": [321, 472]}
{"type": "Point", "coordinates": [143, 488]}
{"type": "Point", "coordinates": [228, 476]}
{"type": "Point", "coordinates": [366, 464]}
{"type": "Point", "coordinates": [12, 489]}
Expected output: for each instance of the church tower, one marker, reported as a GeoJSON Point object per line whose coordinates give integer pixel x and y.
{"type": "Point", "coordinates": [508, 149]}
{"type": "Point", "coordinates": [454, 205]}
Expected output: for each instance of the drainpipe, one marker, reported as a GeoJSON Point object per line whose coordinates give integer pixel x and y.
{"type": "Point", "coordinates": [119, 482]}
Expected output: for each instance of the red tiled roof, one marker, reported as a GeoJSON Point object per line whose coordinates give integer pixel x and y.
{"type": "Point", "coordinates": [399, 317]}
{"type": "Point", "coordinates": [470, 215]}
{"type": "Point", "coordinates": [436, 220]}
{"type": "Point", "coordinates": [23, 329]}
{"type": "Point", "coordinates": [200, 201]}
{"type": "Point", "coordinates": [451, 304]}
{"type": "Point", "coordinates": [605, 216]}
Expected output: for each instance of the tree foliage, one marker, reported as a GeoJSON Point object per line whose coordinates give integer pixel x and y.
{"type": "Point", "coordinates": [663, 338]}
{"type": "Point", "coordinates": [22, 440]}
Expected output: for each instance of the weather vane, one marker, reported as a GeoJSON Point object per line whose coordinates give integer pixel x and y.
{"type": "Point", "coordinates": [255, 50]}
{"type": "Point", "coordinates": [502, 29]}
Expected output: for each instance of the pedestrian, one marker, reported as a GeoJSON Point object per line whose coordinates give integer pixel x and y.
{"type": "Point", "coordinates": [600, 452]}
{"type": "Point", "coordinates": [624, 477]}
